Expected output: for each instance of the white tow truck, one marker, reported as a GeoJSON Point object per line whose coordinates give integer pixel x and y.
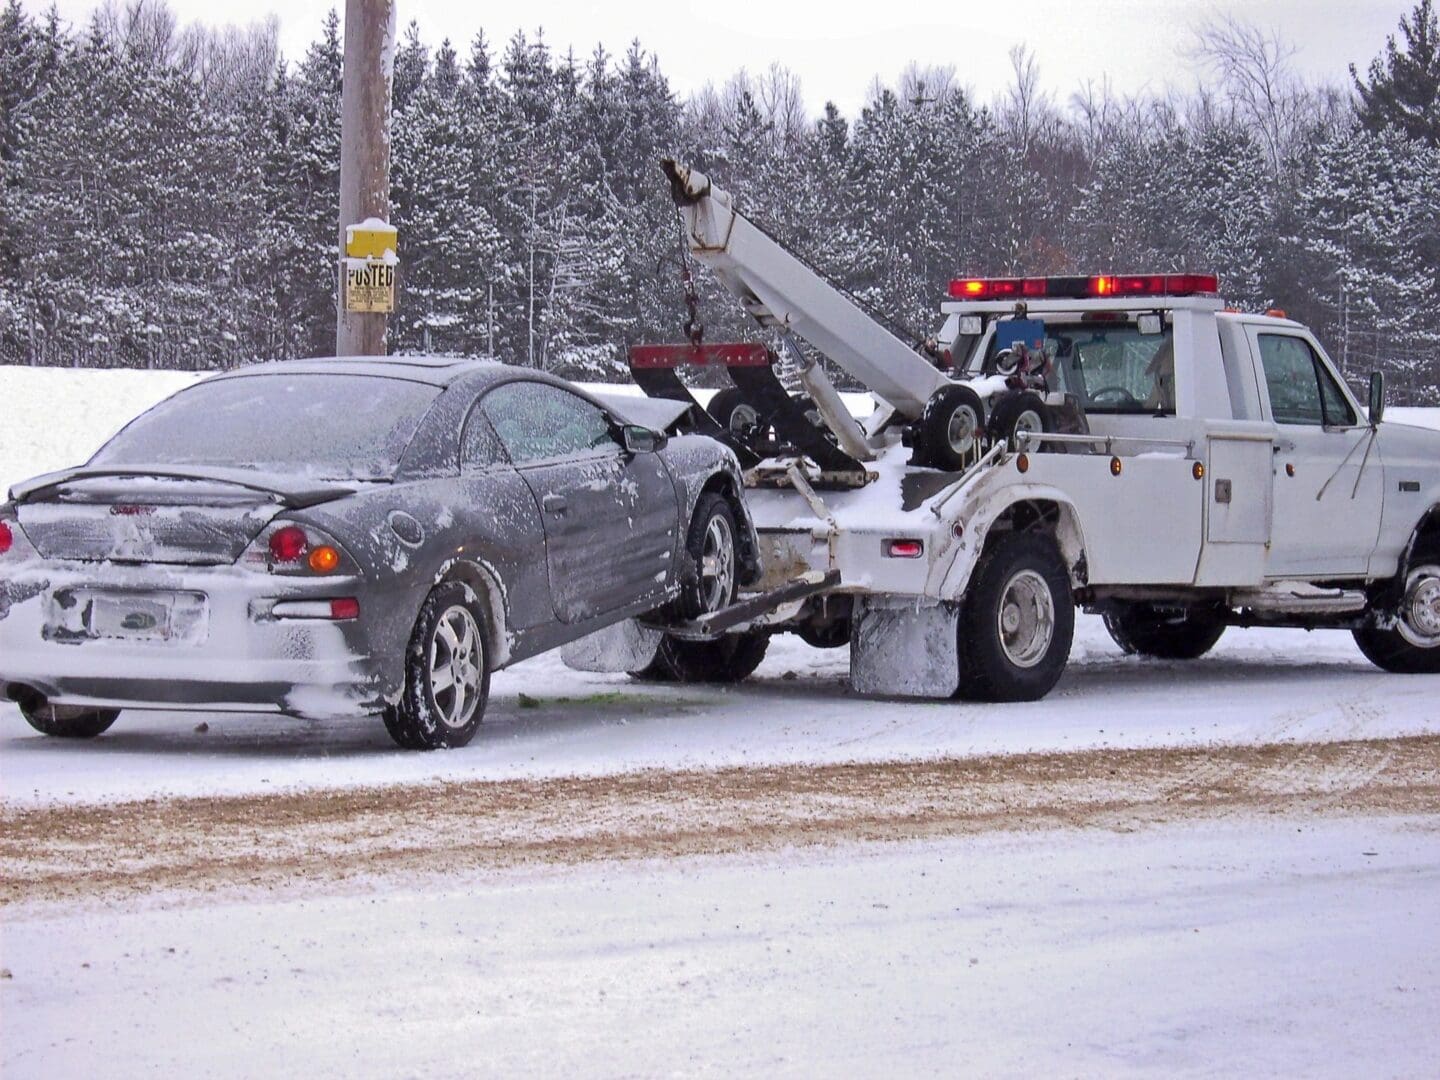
{"type": "Point", "coordinates": [1125, 444]}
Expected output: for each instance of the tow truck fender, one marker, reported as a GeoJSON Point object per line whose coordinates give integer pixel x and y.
{"type": "Point", "coordinates": [985, 509]}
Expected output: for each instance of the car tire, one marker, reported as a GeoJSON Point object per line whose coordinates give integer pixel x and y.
{"type": "Point", "coordinates": [952, 428]}
{"type": "Point", "coordinates": [1412, 645]}
{"type": "Point", "coordinates": [447, 673]}
{"type": "Point", "coordinates": [1024, 410]}
{"type": "Point", "coordinates": [1146, 630]}
{"type": "Point", "coordinates": [715, 556]}
{"type": "Point", "coordinates": [65, 721]}
{"type": "Point", "coordinates": [1017, 622]}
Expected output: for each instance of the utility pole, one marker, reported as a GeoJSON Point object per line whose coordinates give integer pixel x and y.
{"type": "Point", "coordinates": [366, 275]}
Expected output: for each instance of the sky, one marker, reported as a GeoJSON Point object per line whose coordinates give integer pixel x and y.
{"type": "Point", "coordinates": [838, 47]}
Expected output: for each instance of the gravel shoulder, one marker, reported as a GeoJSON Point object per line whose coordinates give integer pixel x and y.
{"type": "Point", "coordinates": [62, 854]}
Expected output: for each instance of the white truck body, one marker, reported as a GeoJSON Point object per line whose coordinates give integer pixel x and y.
{"type": "Point", "coordinates": [1207, 492]}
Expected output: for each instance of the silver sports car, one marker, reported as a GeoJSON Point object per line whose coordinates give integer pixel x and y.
{"type": "Point", "coordinates": [349, 537]}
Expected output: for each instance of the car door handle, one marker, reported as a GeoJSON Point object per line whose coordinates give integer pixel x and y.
{"type": "Point", "coordinates": [556, 504]}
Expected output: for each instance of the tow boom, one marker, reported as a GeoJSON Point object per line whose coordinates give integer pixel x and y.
{"type": "Point", "coordinates": [782, 292]}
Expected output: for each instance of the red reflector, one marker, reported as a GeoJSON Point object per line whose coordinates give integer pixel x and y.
{"type": "Point", "coordinates": [288, 544]}
{"type": "Point", "coordinates": [345, 608]}
{"type": "Point", "coordinates": [904, 549]}
{"type": "Point", "coordinates": [7, 538]}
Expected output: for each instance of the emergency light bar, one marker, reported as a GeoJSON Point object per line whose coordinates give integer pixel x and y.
{"type": "Point", "coordinates": [1085, 288]}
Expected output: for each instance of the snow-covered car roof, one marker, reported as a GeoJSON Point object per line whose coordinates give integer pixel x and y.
{"type": "Point", "coordinates": [433, 370]}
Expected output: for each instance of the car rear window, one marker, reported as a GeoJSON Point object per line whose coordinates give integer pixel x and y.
{"type": "Point", "coordinates": [340, 427]}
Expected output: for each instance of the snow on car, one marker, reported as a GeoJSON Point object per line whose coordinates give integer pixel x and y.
{"type": "Point", "coordinates": [334, 538]}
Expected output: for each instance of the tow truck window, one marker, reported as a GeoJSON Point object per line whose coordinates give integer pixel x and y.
{"type": "Point", "coordinates": [1301, 390]}
{"type": "Point", "coordinates": [1113, 368]}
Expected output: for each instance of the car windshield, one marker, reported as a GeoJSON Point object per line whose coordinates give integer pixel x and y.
{"type": "Point", "coordinates": [334, 427]}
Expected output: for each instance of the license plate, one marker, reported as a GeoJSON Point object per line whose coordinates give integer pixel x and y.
{"type": "Point", "coordinates": [178, 617]}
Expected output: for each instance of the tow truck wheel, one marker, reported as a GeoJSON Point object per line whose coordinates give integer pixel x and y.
{"type": "Point", "coordinates": [1024, 411]}
{"type": "Point", "coordinates": [64, 721]}
{"type": "Point", "coordinates": [1412, 645]}
{"type": "Point", "coordinates": [1016, 622]}
{"type": "Point", "coordinates": [951, 427]}
{"type": "Point", "coordinates": [1165, 635]}
{"type": "Point", "coordinates": [725, 660]}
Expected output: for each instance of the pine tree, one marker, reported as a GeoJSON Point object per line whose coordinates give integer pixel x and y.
{"type": "Point", "coordinates": [1403, 87]}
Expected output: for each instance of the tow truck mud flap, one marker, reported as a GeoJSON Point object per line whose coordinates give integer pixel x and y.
{"type": "Point", "coordinates": [626, 646]}
{"type": "Point", "coordinates": [904, 647]}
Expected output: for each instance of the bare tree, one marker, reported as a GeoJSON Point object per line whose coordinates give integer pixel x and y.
{"type": "Point", "coordinates": [1254, 70]}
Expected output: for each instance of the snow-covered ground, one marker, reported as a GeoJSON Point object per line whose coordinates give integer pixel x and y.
{"type": "Point", "coordinates": [1250, 948]}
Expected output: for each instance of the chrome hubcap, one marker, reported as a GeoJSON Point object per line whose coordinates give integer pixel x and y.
{"type": "Point", "coordinates": [1026, 619]}
{"type": "Point", "coordinates": [457, 666]}
{"type": "Point", "coordinates": [1420, 613]}
{"type": "Point", "coordinates": [717, 565]}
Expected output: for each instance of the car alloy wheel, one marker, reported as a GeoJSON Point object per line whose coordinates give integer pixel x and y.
{"type": "Point", "coordinates": [717, 565]}
{"type": "Point", "coordinates": [457, 666]}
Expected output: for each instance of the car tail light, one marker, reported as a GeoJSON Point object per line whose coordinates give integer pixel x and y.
{"type": "Point", "coordinates": [288, 544]}
{"type": "Point", "coordinates": [324, 559]}
{"type": "Point", "coordinates": [288, 548]}
{"type": "Point", "coordinates": [904, 549]}
{"type": "Point", "coordinates": [7, 537]}
{"type": "Point", "coordinates": [340, 609]}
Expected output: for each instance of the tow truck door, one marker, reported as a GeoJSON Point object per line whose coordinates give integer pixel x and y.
{"type": "Point", "coordinates": [1327, 472]}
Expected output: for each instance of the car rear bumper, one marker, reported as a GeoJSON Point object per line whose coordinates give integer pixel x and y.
{"type": "Point", "coordinates": [243, 657]}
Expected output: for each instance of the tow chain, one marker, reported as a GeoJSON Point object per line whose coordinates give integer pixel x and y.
{"type": "Point", "coordinates": [694, 328]}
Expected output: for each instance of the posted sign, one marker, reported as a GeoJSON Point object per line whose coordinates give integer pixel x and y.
{"type": "Point", "coordinates": [369, 286]}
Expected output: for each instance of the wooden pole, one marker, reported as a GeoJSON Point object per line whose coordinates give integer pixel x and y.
{"type": "Point", "coordinates": [364, 152]}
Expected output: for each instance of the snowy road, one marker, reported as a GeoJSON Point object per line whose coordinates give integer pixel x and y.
{"type": "Point", "coordinates": [1287, 947]}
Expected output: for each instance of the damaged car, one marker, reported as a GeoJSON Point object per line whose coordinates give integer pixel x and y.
{"type": "Point", "coordinates": [346, 537]}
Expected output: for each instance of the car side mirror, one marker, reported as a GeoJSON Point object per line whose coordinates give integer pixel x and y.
{"type": "Point", "coordinates": [640, 440]}
{"type": "Point", "coordinates": [1377, 397]}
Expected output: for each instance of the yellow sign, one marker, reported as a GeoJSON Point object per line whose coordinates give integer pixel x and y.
{"type": "Point", "coordinates": [370, 286]}
{"type": "Point", "coordinates": [371, 239]}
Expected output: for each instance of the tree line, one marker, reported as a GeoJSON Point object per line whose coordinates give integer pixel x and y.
{"type": "Point", "coordinates": [169, 196]}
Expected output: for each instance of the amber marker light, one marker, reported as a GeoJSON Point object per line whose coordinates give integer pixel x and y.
{"type": "Point", "coordinates": [1198, 470]}
{"type": "Point", "coordinates": [1022, 462]}
{"type": "Point", "coordinates": [324, 559]}
{"type": "Point", "coordinates": [1116, 466]}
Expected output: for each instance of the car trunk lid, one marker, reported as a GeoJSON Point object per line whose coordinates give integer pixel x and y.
{"type": "Point", "coordinates": [185, 519]}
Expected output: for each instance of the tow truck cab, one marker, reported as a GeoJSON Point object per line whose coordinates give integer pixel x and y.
{"type": "Point", "coordinates": [1239, 454]}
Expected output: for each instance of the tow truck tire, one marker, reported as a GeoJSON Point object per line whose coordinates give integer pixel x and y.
{"type": "Point", "coordinates": [725, 660]}
{"type": "Point", "coordinates": [1412, 645]}
{"type": "Point", "coordinates": [1014, 412]}
{"type": "Point", "coordinates": [951, 427]}
{"type": "Point", "coordinates": [732, 412]}
{"type": "Point", "coordinates": [65, 721]}
{"type": "Point", "coordinates": [1149, 631]}
{"type": "Point", "coordinates": [1017, 622]}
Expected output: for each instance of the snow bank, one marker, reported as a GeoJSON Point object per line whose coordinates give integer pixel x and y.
{"type": "Point", "coordinates": [52, 418]}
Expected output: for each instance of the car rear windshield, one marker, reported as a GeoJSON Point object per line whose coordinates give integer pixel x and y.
{"type": "Point", "coordinates": [335, 427]}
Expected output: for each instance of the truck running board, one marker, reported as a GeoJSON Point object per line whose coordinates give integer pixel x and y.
{"type": "Point", "coordinates": [753, 607]}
